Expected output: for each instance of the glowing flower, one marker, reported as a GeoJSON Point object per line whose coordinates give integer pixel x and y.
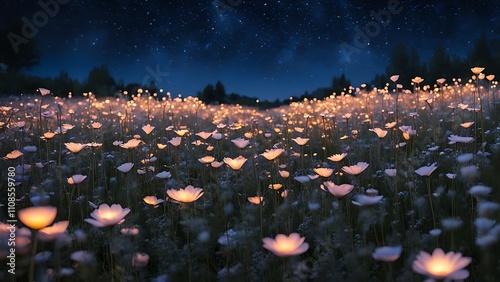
{"type": "Point", "coordinates": [379, 131]}
{"type": "Point", "coordinates": [394, 78]}
{"type": "Point", "coordinates": [148, 128]}
{"type": "Point", "coordinates": [387, 254]}
{"type": "Point", "coordinates": [107, 216]}
{"type": "Point", "coordinates": [37, 217]}
{"type": "Point", "coordinates": [75, 147]}
{"type": "Point", "coordinates": [76, 179]}
{"type": "Point", "coordinates": [355, 169]}
{"type": "Point", "coordinates": [337, 157]}
{"type": "Point", "coordinates": [272, 154]}
{"type": "Point", "coordinates": [152, 200]}
{"type": "Point", "coordinates": [186, 195]}
{"type": "Point", "coordinates": [53, 232]}
{"type": "Point", "coordinates": [14, 155]}
{"type": "Point", "coordinates": [240, 142]}
{"type": "Point", "coordinates": [417, 80]}
{"type": "Point", "coordinates": [44, 91]}
{"type": "Point", "coordinates": [235, 164]}
{"type": "Point", "coordinates": [301, 141]}
{"type": "Point", "coordinates": [216, 164]}
{"type": "Point", "coordinates": [275, 186]}
{"type": "Point", "coordinates": [96, 125]}
{"type": "Point", "coordinates": [126, 167]}
{"type": "Point", "coordinates": [284, 246]}
{"type": "Point", "coordinates": [467, 124]}
{"type": "Point", "coordinates": [140, 260]}
{"type": "Point", "coordinates": [131, 144]}
{"type": "Point", "coordinates": [338, 190]}
{"type": "Point", "coordinates": [390, 125]}
{"type": "Point", "coordinates": [440, 80]}
{"type": "Point", "coordinates": [255, 200]}
{"type": "Point", "coordinates": [207, 160]}
{"type": "Point", "coordinates": [176, 141]}
{"type": "Point", "coordinates": [323, 171]}
{"type": "Point", "coordinates": [181, 132]}
{"type": "Point", "coordinates": [204, 135]}
{"type": "Point", "coordinates": [161, 146]}
{"type": "Point", "coordinates": [441, 266]}
{"type": "Point", "coordinates": [426, 170]}
{"type": "Point", "coordinates": [284, 173]}
{"type": "Point", "coordinates": [477, 70]}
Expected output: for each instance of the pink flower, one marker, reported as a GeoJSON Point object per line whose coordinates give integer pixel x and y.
{"type": "Point", "coordinates": [284, 246]}
{"type": "Point", "coordinates": [441, 266]}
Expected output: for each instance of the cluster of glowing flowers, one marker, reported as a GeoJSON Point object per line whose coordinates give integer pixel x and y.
{"type": "Point", "coordinates": [337, 157]}
{"type": "Point", "coordinates": [236, 163]}
{"type": "Point", "coordinates": [426, 170]}
{"type": "Point", "coordinates": [240, 142]}
{"type": "Point", "coordinates": [76, 179]}
{"type": "Point", "coordinates": [323, 171]}
{"type": "Point", "coordinates": [285, 246]}
{"type": "Point", "coordinates": [272, 154]}
{"type": "Point", "coordinates": [53, 232]}
{"type": "Point", "coordinates": [37, 217]}
{"type": "Point", "coordinates": [355, 169]}
{"type": "Point", "coordinates": [153, 201]}
{"type": "Point", "coordinates": [75, 147]}
{"type": "Point", "coordinates": [387, 254]}
{"type": "Point", "coordinates": [186, 195]}
{"type": "Point", "coordinates": [441, 266]}
{"type": "Point", "coordinates": [379, 131]}
{"type": "Point", "coordinates": [106, 215]}
{"type": "Point", "coordinates": [338, 190]}
{"type": "Point", "coordinates": [131, 144]}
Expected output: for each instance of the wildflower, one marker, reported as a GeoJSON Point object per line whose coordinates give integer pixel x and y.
{"type": "Point", "coordinates": [126, 167]}
{"type": "Point", "coordinates": [206, 160]}
{"type": "Point", "coordinates": [236, 163]}
{"type": "Point", "coordinates": [53, 232]}
{"type": "Point", "coordinates": [387, 254]}
{"type": "Point", "coordinates": [337, 157]}
{"type": "Point", "coordinates": [284, 246]}
{"type": "Point", "coordinates": [216, 164]}
{"type": "Point", "coordinates": [477, 70]}
{"type": "Point", "coordinates": [459, 139]}
{"type": "Point", "coordinates": [272, 154]}
{"type": "Point", "coordinates": [255, 200]}
{"type": "Point", "coordinates": [14, 155]}
{"type": "Point", "coordinates": [426, 170]}
{"type": "Point", "coordinates": [302, 178]}
{"type": "Point", "coordinates": [204, 135]}
{"type": "Point", "coordinates": [301, 141]}
{"type": "Point", "coordinates": [140, 260]}
{"type": "Point", "coordinates": [148, 129]}
{"type": "Point", "coordinates": [131, 144]}
{"type": "Point", "coordinates": [440, 266]}
{"type": "Point", "coordinates": [44, 91]}
{"type": "Point", "coordinates": [480, 191]}
{"type": "Point", "coordinates": [152, 200]}
{"type": "Point", "coordinates": [394, 78]}
{"type": "Point", "coordinates": [176, 141]}
{"type": "Point", "coordinates": [181, 132]}
{"type": "Point", "coordinates": [186, 195]}
{"type": "Point", "coordinates": [390, 172]}
{"type": "Point", "coordinates": [355, 169]}
{"type": "Point", "coordinates": [96, 125]}
{"type": "Point", "coordinates": [284, 173]}
{"type": "Point", "coordinates": [240, 142]}
{"type": "Point", "coordinates": [75, 147]}
{"type": "Point", "coordinates": [106, 215]}
{"type": "Point", "coordinates": [338, 190]}
{"type": "Point", "coordinates": [76, 179]}
{"type": "Point", "coordinates": [30, 149]}
{"type": "Point", "coordinates": [379, 131]}
{"type": "Point", "coordinates": [163, 175]}
{"type": "Point", "coordinates": [323, 171]}
{"type": "Point", "coordinates": [37, 217]}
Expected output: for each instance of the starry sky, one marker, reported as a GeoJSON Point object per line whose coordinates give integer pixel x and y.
{"type": "Point", "coordinates": [266, 49]}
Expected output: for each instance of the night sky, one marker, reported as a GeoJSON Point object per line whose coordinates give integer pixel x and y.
{"type": "Point", "coordinates": [267, 49]}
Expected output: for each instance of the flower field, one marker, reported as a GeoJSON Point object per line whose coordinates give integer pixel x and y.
{"type": "Point", "coordinates": [381, 185]}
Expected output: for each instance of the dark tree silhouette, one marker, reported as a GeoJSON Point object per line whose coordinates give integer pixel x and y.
{"type": "Point", "coordinates": [17, 55]}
